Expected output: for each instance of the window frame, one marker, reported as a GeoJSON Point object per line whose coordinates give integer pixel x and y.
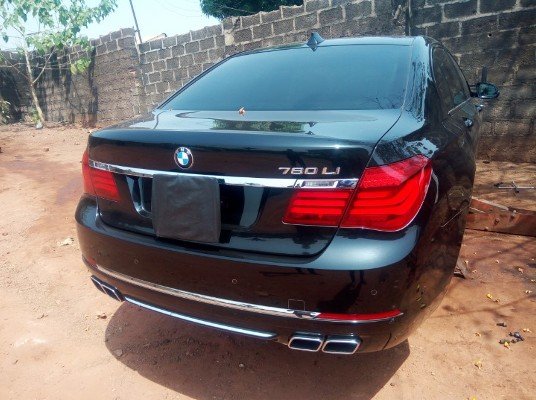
{"type": "Point", "coordinates": [459, 74]}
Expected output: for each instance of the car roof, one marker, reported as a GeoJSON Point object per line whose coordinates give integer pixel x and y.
{"type": "Point", "coordinates": [363, 40]}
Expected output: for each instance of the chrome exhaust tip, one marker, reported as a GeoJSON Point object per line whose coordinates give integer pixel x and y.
{"type": "Point", "coordinates": [341, 344]}
{"type": "Point", "coordinates": [306, 342]}
{"type": "Point", "coordinates": [107, 289]}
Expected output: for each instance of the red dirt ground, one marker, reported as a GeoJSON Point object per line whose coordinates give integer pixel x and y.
{"type": "Point", "coordinates": [54, 346]}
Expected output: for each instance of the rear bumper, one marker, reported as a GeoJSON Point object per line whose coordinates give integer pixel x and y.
{"type": "Point", "coordinates": [347, 284]}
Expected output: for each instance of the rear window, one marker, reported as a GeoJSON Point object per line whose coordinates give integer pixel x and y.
{"type": "Point", "coordinates": [353, 77]}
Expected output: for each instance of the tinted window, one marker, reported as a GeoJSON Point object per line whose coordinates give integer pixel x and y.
{"type": "Point", "coordinates": [450, 83]}
{"type": "Point", "coordinates": [354, 77]}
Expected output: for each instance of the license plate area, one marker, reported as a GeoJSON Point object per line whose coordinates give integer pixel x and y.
{"type": "Point", "coordinates": [186, 208]}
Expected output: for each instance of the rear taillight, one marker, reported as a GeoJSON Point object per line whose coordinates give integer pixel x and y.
{"type": "Point", "coordinates": [387, 198]}
{"type": "Point", "coordinates": [317, 207]}
{"type": "Point", "coordinates": [98, 182]}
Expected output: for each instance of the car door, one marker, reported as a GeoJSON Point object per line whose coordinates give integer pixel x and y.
{"type": "Point", "coordinates": [461, 122]}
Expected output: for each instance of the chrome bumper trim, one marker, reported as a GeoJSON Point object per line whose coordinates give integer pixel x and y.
{"type": "Point", "coordinates": [234, 180]}
{"type": "Point", "coordinates": [217, 301]}
{"type": "Point", "coordinates": [223, 327]}
{"type": "Point", "coordinates": [236, 305]}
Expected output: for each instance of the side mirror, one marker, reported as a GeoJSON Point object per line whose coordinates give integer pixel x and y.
{"type": "Point", "coordinates": [486, 90]}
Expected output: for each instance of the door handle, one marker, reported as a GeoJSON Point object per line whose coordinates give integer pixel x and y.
{"type": "Point", "coordinates": [468, 122]}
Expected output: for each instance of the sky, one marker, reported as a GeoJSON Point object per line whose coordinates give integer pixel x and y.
{"type": "Point", "coordinates": [154, 18]}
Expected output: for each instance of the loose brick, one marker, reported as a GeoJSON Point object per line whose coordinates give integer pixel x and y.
{"type": "Point", "coordinates": [186, 60]}
{"type": "Point", "coordinates": [358, 10]}
{"type": "Point", "coordinates": [284, 26]}
{"type": "Point", "coordinates": [271, 16]}
{"type": "Point", "coordinates": [172, 63]}
{"type": "Point", "coordinates": [446, 29]}
{"type": "Point", "coordinates": [426, 15]}
{"type": "Point", "coordinates": [201, 57]}
{"type": "Point", "coordinates": [262, 31]}
{"type": "Point", "coordinates": [159, 65]}
{"type": "Point", "coordinates": [144, 47]}
{"type": "Point", "coordinates": [192, 47]}
{"type": "Point", "coordinates": [487, 6]}
{"type": "Point", "coordinates": [460, 9]}
{"type": "Point", "coordinates": [164, 53]}
{"type": "Point", "coordinates": [156, 44]}
{"type": "Point", "coordinates": [517, 19]}
{"type": "Point", "coordinates": [306, 21]}
{"type": "Point", "coordinates": [151, 56]}
{"type": "Point", "coordinates": [154, 77]}
{"type": "Point", "coordinates": [250, 20]}
{"type": "Point", "coordinates": [169, 41]}
{"type": "Point", "coordinates": [291, 11]}
{"type": "Point", "coordinates": [111, 46]}
{"type": "Point", "coordinates": [478, 25]}
{"type": "Point", "coordinates": [177, 50]}
{"type": "Point", "coordinates": [253, 45]}
{"type": "Point", "coordinates": [330, 16]}
{"type": "Point", "coordinates": [194, 70]}
{"type": "Point", "coordinates": [207, 43]}
{"type": "Point", "coordinates": [313, 5]}
{"type": "Point", "coordinates": [243, 35]}
{"type": "Point", "coordinates": [167, 76]}
{"type": "Point", "coordinates": [115, 35]}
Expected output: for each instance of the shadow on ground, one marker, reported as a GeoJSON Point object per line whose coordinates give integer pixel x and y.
{"type": "Point", "coordinates": [206, 364]}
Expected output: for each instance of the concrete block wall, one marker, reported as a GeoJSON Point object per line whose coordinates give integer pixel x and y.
{"type": "Point", "coordinates": [126, 80]}
{"type": "Point", "coordinates": [500, 34]}
{"type": "Point", "coordinates": [109, 90]}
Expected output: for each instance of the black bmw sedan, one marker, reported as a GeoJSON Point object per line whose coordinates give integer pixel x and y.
{"type": "Point", "coordinates": [312, 194]}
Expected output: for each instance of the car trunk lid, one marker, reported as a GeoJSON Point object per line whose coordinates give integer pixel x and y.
{"type": "Point", "coordinates": [256, 159]}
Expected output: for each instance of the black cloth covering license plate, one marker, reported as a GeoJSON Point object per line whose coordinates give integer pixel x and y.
{"type": "Point", "coordinates": [186, 208]}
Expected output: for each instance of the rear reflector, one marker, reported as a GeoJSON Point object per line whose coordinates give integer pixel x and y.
{"type": "Point", "coordinates": [360, 317]}
{"type": "Point", "coordinates": [387, 198]}
{"type": "Point", "coordinates": [97, 182]}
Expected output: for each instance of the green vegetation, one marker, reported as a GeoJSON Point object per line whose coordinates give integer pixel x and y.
{"type": "Point", "coordinates": [232, 8]}
{"type": "Point", "coordinates": [41, 28]}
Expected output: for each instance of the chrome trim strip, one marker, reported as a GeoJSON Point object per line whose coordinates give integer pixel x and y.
{"type": "Point", "coordinates": [236, 305]}
{"type": "Point", "coordinates": [223, 327]}
{"type": "Point", "coordinates": [326, 183]}
{"type": "Point", "coordinates": [230, 180]}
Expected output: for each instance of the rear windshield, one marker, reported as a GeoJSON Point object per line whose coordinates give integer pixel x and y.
{"type": "Point", "coordinates": [353, 77]}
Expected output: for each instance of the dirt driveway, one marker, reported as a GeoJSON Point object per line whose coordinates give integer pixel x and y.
{"type": "Point", "coordinates": [62, 339]}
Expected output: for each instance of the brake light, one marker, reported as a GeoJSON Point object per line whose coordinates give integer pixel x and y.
{"type": "Point", "coordinates": [317, 207]}
{"type": "Point", "coordinates": [98, 182]}
{"type": "Point", "coordinates": [387, 198]}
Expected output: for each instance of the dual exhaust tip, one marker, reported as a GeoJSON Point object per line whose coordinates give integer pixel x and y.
{"type": "Point", "coordinates": [107, 289]}
{"type": "Point", "coordinates": [333, 344]}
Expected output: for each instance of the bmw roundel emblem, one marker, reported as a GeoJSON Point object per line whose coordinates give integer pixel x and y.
{"type": "Point", "coordinates": [183, 157]}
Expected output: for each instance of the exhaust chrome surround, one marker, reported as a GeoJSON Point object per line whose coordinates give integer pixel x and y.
{"type": "Point", "coordinates": [233, 180]}
{"type": "Point", "coordinates": [341, 344]}
{"type": "Point", "coordinates": [306, 342]}
{"type": "Point", "coordinates": [107, 289]}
